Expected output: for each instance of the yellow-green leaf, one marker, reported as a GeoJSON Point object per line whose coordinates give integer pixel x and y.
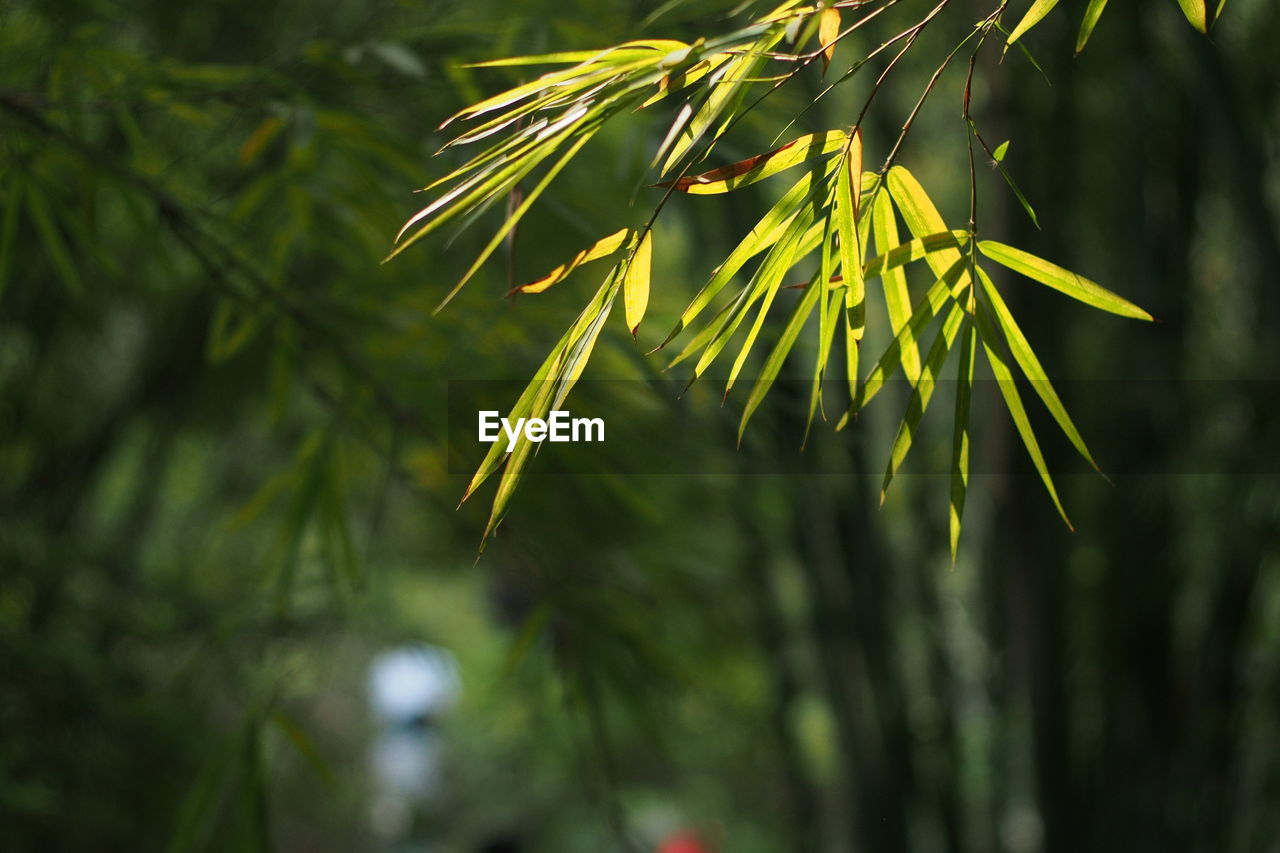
{"type": "Point", "coordinates": [1064, 281]}
{"type": "Point", "coordinates": [960, 436]}
{"type": "Point", "coordinates": [896, 296]}
{"type": "Point", "coordinates": [1091, 16]}
{"type": "Point", "coordinates": [1034, 15]}
{"type": "Point", "coordinates": [761, 166]}
{"type": "Point", "coordinates": [1013, 402]}
{"type": "Point", "coordinates": [603, 248]}
{"type": "Point", "coordinates": [1196, 13]}
{"type": "Point", "coordinates": [635, 286]}
{"type": "Point", "coordinates": [1031, 367]}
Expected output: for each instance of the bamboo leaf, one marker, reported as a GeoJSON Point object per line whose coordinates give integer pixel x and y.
{"type": "Point", "coordinates": [761, 166]}
{"type": "Point", "coordinates": [772, 364]}
{"type": "Point", "coordinates": [1034, 15]}
{"type": "Point", "coordinates": [1013, 402]}
{"type": "Point", "coordinates": [1031, 367]}
{"type": "Point", "coordinates": [765, 234]}
{"type": "Point", "coordinates": [960, 436]}
{"type": "Point", "coordinates": [852, 228]}
{"type": "Point", "coordinates": [949, 286]}
{"type": "Point", "coordinates": [921, 394]}
{"type": "Point", "coordinates": [1196, 13]}
{"type": "Point", "coordinates": [55, 246]}
{"type": "Point", "coordinates": [828, 32]}
{"type": "Point", "coordinates": [601, 249]}
{"type": "Point", "coordinates": [635, 285]}
{"type": "Point", "coordinates": [516, 216]}
{"type": "Point", "coordinates": [914, 250]}
{"type": "Point", "coordinates": [1091, 16]}
{"type": "Point", "coordinates": [1061, 280]}
{"type": "Point", "coordinates": [894, 281]}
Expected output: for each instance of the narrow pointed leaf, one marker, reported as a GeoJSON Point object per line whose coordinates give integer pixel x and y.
{"type": "Point", "coordinates": [912, 251]}
{"type": "Point", "coordinates": [960, 436]}
{"type": "Point", "coordinates": [828, 32]}
{"type": "Point", "coordinates": [1031, 367]}
{"type": "Point", "coordinates": [921, 394]}
{"type": "Point", "coordinates": [772, 364]}
{"type": "Point", "coordinates": [635, 286]}
{"type": "Point", "coordinates": [761, 166]}
{"type": "Point", "coordinates": [848, 197]}
{"type": "Point", "coordinates": [894, 281]}
{"type": "Point", "coordinates": [1091, 16]}
{"type": "Point", "coordinates": [1196, 13]}
{"type": "Point", "coordinates": [1013, 402]}
{"type": "Point", "coordinates": [1064, 281]}
{"type": "Point", "coordinates": [602, 249]}
{"type": "Point", "coordinates": [1034, 15]}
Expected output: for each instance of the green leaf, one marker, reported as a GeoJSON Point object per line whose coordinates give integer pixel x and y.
{"type": "Point", "coordinates": [761, 166]}
{"type": "Point", "coordinates": [1013, 402]}
{"type": "Point", "coordinates": [635, 284]}
{"type": "Point", "coordinates": [912, 251]}
{"type": "Point", "coordinates": [1091, 16]}
{"type": "Point", "coordinates": [1001, 150]}
{"type": "Point", "coordinates": [772, 364]}
{"type": "Point", "coordinates": [960, 436]}
{"type": "Point", "coordinates": [516, 216]}
{"type": "Point", "coordinates": [949, 286]}
{"type": "Point", "coordinates": [1064, 281]}
{"type": "Point", "coordinates": [1031, 367]}
{"type": "Point", "coordinates": [853, 249]}
{"type": "Point", "coordinates": [896, 295]}
{"type": "Point", "coordinates": [1196, 13]}
{"type": "Point", "coordinates": [765, 234]}
{"type": "Point", "coordinates": [1034, 15]}
{"type": "Point", "coordinates": [921, 394]}
{"type": "Point", "coordinates": [602, 249]}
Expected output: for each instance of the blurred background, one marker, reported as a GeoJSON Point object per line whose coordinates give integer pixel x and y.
{"type": "Point", "coordinates": [238, 610]}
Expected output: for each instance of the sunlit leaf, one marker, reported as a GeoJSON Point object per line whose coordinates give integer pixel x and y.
{"type": "Point", "coordinates": [1197, 13]}
{"type": "Point", "coordinates": [773, 363]}
{"type": "Point", "coordinates": [1064, 281]}
{"type": "Point", "coordinates": [1091, 16]}
{"type": "Point", "coordinates": [828, 32]}
{"type": "Point", "coordinates": [921, 394]}
{"type": "Point", "coordinates": [848, 197]}
{"type": "Point", "coordinates": [602, 249]}
{"type": "Point", "coordinates": [1031, 367]}
{"type": "Point", "coordinates": [1013, 402]}
{"type": "Point", "coordinates": [894, 281]}
{"type": "Point", "coordinates": [761, 166]}
{"type": "Point", "coordinates": [1034, 15]}
{"type": "Point", "coordinates": [960, 437]}
{"type": "Point", "coordinates": [635, 285]}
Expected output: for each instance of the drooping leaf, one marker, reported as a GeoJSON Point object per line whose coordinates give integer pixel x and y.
{"type": "Point", "coordinates": [635, 285]}
{"type": "Point", "coordinates": [1013, 402]}
{"type": "Point", "coordinates": [1031, 367]}
{"type": "Point", "coordinates": [1034, 15]}
{"type": "Point", "coordinates": [601, 249]}
{"type": "Point", "coordinates": [1091, 16]}
{"type": "Point", "coordinates": [921, 394]}
{"type": "Point", "coordinates": [773, 363]}
{"type": "Point", "coordinates": [828, 32]}
{"type": "Point", "coordinates": [949, 286]}
{"type": "Point", "coordinates": [960, 436]}
{"type": "Point", "coordinates": [761, 166]}
{"type": "Point", "coordinates": [912, 251]}
{"type": "Point", "coordinates": [848, 197]}
{"type": "Point", "coordinates": [1064, 281]}
{"type": "Point", "coordinates": [765, 234]}
{"type": "Point", "coordinates": [1197, 13]}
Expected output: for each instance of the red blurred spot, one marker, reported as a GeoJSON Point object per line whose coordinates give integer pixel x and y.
{"type": "Point", "coordinates": [682, 842]}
